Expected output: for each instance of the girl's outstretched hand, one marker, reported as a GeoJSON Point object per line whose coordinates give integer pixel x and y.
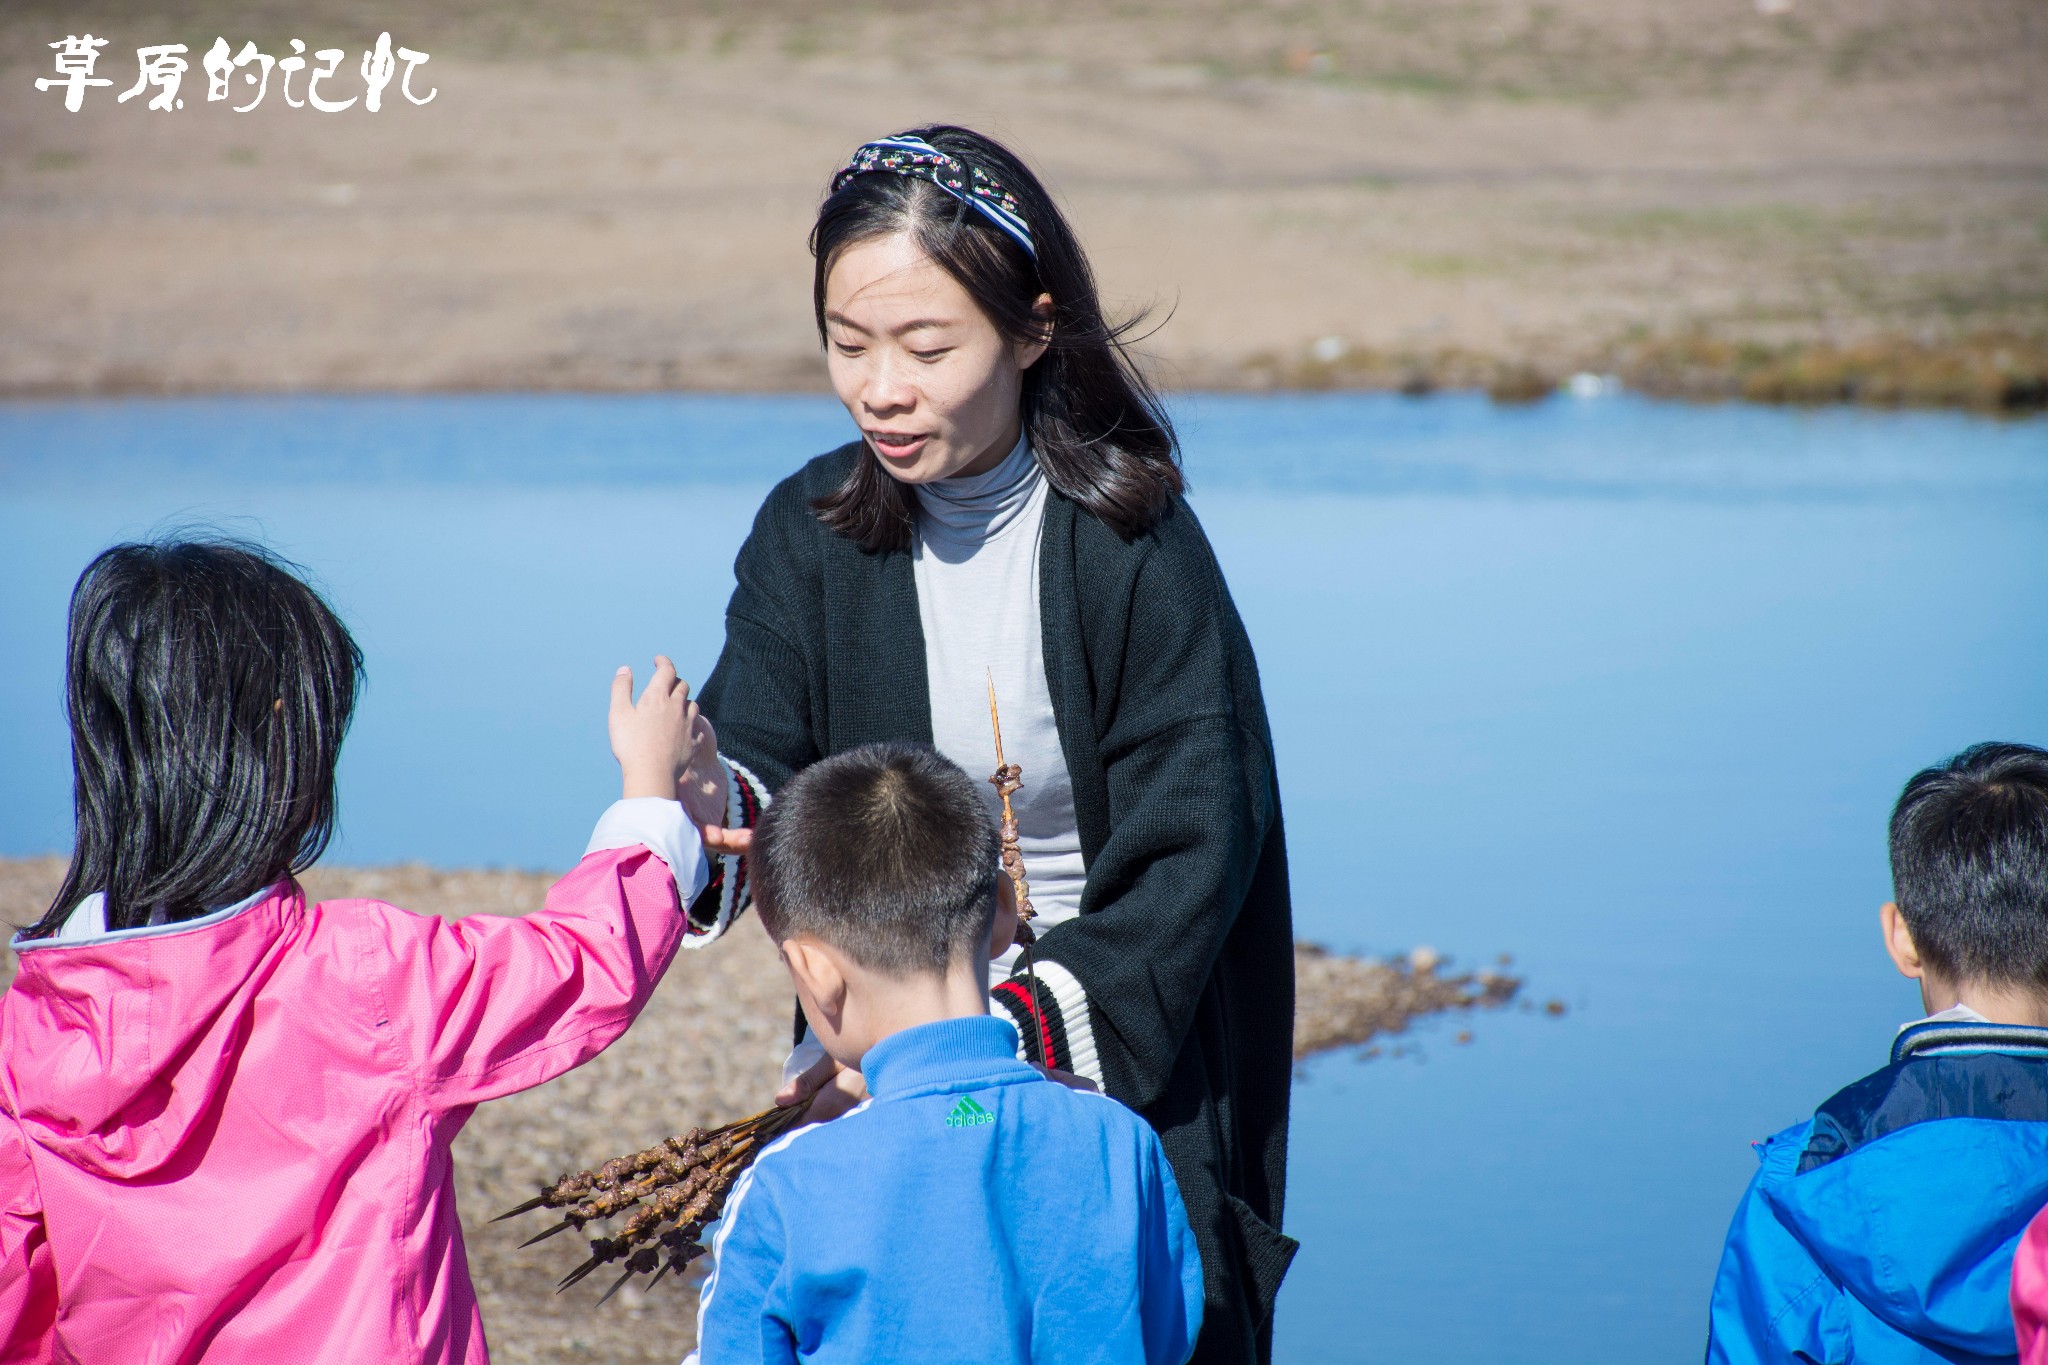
{"type": "Point", "coordinates": [655, 738]}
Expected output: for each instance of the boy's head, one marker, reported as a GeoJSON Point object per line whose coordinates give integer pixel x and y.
{"type": "Point", "coordinates": [875, 872]}
{"type": "Point", "coordinates": [888, 853]}
{"type": "Point", "coordinates": [1969, 850]}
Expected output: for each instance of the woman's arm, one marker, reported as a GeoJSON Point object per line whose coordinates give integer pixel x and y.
{"type": "Point", "coordinates": [759, 694]}
{"type": "Point", "coordinates": [1191, 800]}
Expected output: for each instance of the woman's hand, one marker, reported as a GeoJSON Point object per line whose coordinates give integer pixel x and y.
{"type": "Point", "coordinates": [704, 789]}
{"type": "Point", "coordinates": [829, 1088]}
{"type": "Point", "coordinates": [655, 738]}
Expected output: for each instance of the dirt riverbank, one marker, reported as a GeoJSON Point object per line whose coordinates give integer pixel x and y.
{"type": "Point", "coordinates": [708, 1048]}
{"type": "Point", "coordinates": [1807, 200]}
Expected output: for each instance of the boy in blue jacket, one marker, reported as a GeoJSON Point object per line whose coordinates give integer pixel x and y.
{"type": "Point", "coordinates": [1882, 1229]}
{"type": "Point", "coordinates": [970, 1209]}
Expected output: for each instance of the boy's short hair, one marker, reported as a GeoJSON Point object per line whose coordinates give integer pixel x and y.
{"type": "Point", "coordinates": [1969, 846]}
{"type": "Point", "coordinates": [887, 852]}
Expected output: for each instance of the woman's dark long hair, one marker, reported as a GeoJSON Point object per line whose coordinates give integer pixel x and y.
{"type": "Point", "coordinates": [208, 691]}
{"type": "Point", "coordinates": [1097, 428]}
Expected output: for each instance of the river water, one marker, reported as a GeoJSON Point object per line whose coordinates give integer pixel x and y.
{"type": "Point", "coordinates": [1623, 688]}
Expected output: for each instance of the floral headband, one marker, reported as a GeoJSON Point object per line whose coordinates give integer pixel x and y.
{"type": "Point", "coordinates": [908, 154]}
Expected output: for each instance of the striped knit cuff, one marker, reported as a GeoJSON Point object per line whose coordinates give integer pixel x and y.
{"type": "Point", "coordinates": [1053, 1028]}
{"type": "Point", "coordinates": [728, 893]}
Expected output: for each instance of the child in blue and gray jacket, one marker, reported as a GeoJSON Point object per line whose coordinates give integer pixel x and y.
{"type": "Point", "coordinates": [1882, 1229]}
{"type": "Point", "coordinates": [972, 1208]}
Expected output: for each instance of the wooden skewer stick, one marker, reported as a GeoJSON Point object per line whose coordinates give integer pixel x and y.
{"type": "Point", "coordinates": [1007, 778]}
{"type": "Point", "coordinates": [995, 723]}
{"type": "Point", "coordinates": [665, 1194]}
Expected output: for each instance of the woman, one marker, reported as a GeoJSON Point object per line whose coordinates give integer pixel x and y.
{"type": "Point", "coordinates": [1012, 512]}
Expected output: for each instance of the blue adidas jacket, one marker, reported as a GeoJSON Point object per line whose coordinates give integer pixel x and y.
{"type": "Point", "coordinates": [1882, 1229]}
{"type": "Point", "coordinates": [969, 1210]}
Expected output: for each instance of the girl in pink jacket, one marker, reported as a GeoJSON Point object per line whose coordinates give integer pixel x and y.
{"type": "Point", "coordinates": [228, 1112]}
{"type": "Point", "coordinates": [2030, 1292]}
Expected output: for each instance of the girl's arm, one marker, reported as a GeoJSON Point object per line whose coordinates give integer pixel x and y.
{"type": "Point", "coordinates": [28, 1274]}
{"type": "Point", "coordinates": [489, 1005]}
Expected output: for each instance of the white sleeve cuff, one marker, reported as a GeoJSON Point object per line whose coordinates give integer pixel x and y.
{"type": "Point", "coordinates": [802, 1057]}
{"type": "Point", "coordinates": [661, 827]}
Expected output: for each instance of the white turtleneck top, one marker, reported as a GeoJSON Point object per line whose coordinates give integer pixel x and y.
{"type": "Point", "coordinates": [975, 560]}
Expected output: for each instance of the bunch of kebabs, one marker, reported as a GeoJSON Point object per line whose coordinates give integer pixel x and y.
{"type": "Point", "coordinates": [671, 1191]}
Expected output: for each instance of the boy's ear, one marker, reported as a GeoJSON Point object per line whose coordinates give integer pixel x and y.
{"type": "Point", "coordinates": [819, 978]}
{"type": "Point", "coordinates": [1898, 941]}
{"type": "Point", "coordinates": [1003, 932]}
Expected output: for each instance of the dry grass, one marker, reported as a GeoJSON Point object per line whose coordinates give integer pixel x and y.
{"type": "Point", "coordinates": [614, 196]}
{"type": "Point", "coordinates": [1995, 371]}
{"type": "Point", "coordinates": [1992, 371]}
{"type": "Point", "coordinates": [707, 1049]}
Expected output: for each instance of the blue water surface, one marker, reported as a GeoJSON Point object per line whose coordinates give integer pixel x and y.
{"type": "Point", "coordinates": [1623, 688]}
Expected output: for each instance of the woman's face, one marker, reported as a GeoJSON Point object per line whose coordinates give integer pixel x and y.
{"type": "Point", "coordinates": [926, 376]}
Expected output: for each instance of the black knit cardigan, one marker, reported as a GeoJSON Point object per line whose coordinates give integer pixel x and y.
{"type": "Point", "coordinates": [1184, 945]}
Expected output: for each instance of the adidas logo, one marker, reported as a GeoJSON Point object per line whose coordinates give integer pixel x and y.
{"type": "Point", "coordinates": [968, 1114]}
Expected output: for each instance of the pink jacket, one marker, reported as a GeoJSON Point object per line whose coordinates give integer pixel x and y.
{"type": "Point", "coordinates": [227, 1140]}
{"type": "Point", "coordinates": [2030, 1292]}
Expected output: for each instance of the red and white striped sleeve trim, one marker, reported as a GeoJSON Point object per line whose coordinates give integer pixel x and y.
{"type": "Point", "coordinates": [728, 892]}
{"type": "Point", "coordinates": [1055, 1028]}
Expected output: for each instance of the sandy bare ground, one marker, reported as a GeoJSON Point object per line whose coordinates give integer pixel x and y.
{"type": "Point", "coordinates": [615, 196]}
{"type": "Point", "coordinates": [708, 1048]}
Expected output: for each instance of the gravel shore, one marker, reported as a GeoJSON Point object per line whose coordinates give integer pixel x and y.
{"type": "Point", "coordinates": [707, 1049]}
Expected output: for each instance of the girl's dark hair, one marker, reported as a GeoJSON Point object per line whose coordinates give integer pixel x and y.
{"type": "Point", "coordinates": [1098, 429]}
{"type": "Point", "coordinates": [208, 691]}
